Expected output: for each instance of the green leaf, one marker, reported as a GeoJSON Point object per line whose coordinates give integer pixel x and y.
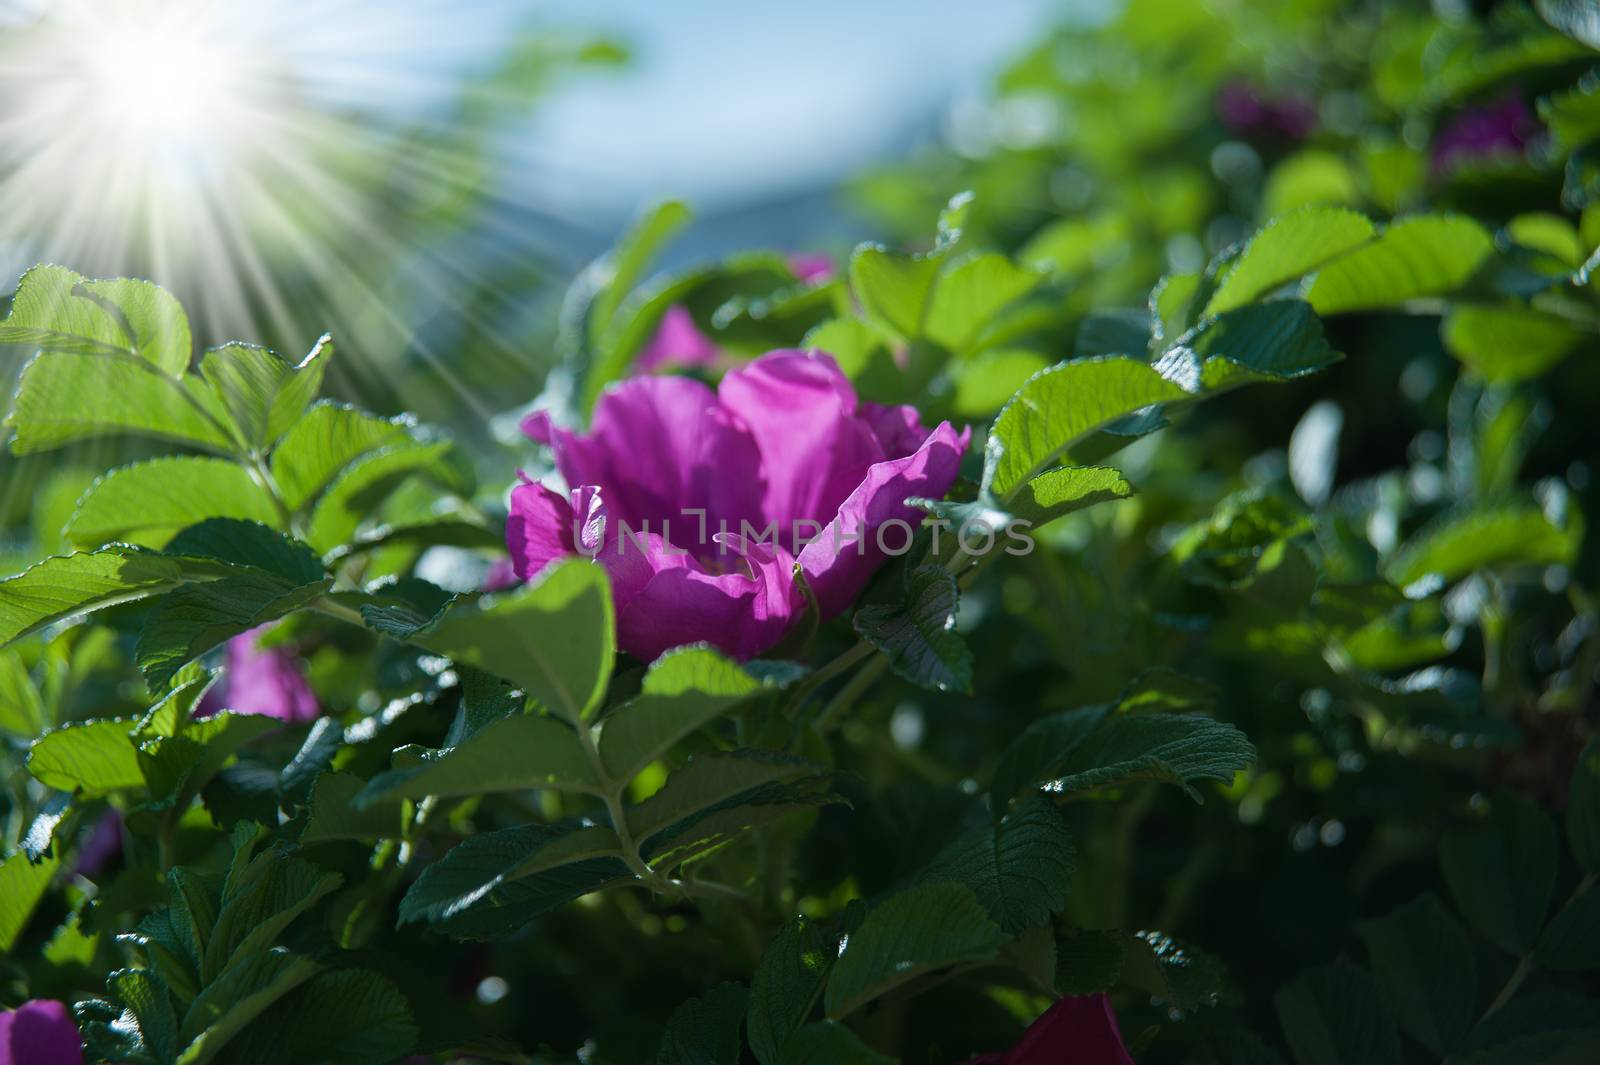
{"type": "Point", "coordinates": [1172, 972]}
{"type": "Point", "coordinates": [22, 885]}
{"type": "Point", "coordinates": [714, 826]}
{"type": "Point", "coordinates": [909, 934]}
{"type": "Point", "coordinates": [828, 1043]}
{"type": "Point", "coordinates": [1571, 941]}
{"type": "Point", "coordinates": [246, 544]}
{"type": "Point", "coordinates": [130, 396]}
{"type": "Point", "coordinates": [518, 752]}
{"type": "Point", "coordinates": [786, 984]}
{"type": "Point", "coordinates": [476, 873]}
{"type": "Point", "coordinates": [1334, 1016]}
{"type": "Point", "coordinates": [88, 758]}
{"type": "Point", "coordinates": [334, 814]}
{"type": "Point", "coordinates": [516, 903]}
{"type": "Point", "coordinates": [1288, 248]}
{"type": "Point", "coordinates": [254, 918]}
{"type": "Point", "coordinates": [1277, 341]}
{"type": "Point", "coordinates": [1459, 543]}
{"type": "Point", "coordinates": [1423, 255]}
{"type": "Point", "coordinates": [154, 320]}
{"type": "Point", "coordinates": [149, 502]}
{"type": "Point", "coordinates": [197, 617]}
{"type": "Point", "coordinates": [22, 711]}
{"type": "Point", "coordinates": [684, 689]}
{"type": "Point", "coordinates": [1540, 1028]}
{"type": "Point", "coordinates": [1507, 343]}
{"type": "Point", "coordinates": [263, 392]}
{"type": "Point", "coordinates": [919, 634]}
{"type": "Point", "coordinates": [1583, 809]}
{"type": "Point", "coordinates": [1059, 492]}
{"type": "Point", "coordinates": [48, 313]}
{"type": "Point", "coordinates": [322, 442]}
{"type": "Point", "coordinates": [984, 383]}
{"type": "Point", "coordinates": [236, 998]}
{"type": "Point", "coordinates": [349, 1016]}
{"type": "Point", "coordinates": [708, 780]}
{"type": "Point", "coordinates": [554, 638]}
{"type": "Point", "coordinates": [1061, 406]}
{"type": "Point", "coordinates": [1502, 875]}
{"type": "Point", "coordinates": [1426, 970]}
{"type": "Point", "coordinates": [705, 1030]}
{"type": "Point", "coordinates": [892, 288]}
{"type": "Point", "coordinates": [969, 293]}
{"type": "Point", "coordinates": [67, 585]}
{"type": "Point", "coordinates": [1119, 331]}
{"type": "Point", "coordinates": [1071, 246]}
{"type": "Point", "coordinates": [1088, 963]}
{"type": "Point", "coordinates": [1041, 748]}
{"type": "Point", "coordinates": [145, 996]}
{"type": "Point", "coordinates": [1019, 869]}
{"type": "Point", "coordinates": [355, 494]}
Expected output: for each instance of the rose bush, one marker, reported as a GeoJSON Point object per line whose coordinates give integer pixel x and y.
{"type": "Point", "coordinates": [732, 732]}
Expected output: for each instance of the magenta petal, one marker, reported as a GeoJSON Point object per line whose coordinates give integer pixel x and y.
{"type": "Point", "coordinates": [1074, 1029]}
{"type": "Point", "coordinates": [814, 448]}
{"type": "Point", "coordinates": [101, 845]}
{"type": "Point", "coordinates": [678, 342]}
{"type": "Point", "coordinates": [39, 1032]}
{"type": "Point", "coordinates": [811, 267]}
{"type": "Point", "coordinates": [839, 562]}
{"type": "Point", "coordinates": [538, 529]}
{"type": "Point", "coordinates": [262, 680]}
{"type": "Point", "coordinates": [898, 429]}
{"type": "Point", "coordinates": [741, 613]}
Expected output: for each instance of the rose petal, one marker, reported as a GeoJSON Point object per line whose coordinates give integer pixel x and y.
{"type": "Point", "coordinates": [839, 562]}
{"type": "Point", "coordinates": [741, 613]}
{"type": "Point", "coordinates": [678, 342]}
{"type": "Point", "coordinates": [39, 1032]}
{"type": "Point", "coordinates": [814, 449]}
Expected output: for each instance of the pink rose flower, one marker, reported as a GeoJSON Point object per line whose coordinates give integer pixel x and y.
{"type": "Point", "coordinates": [811, 267]}
{"type": "Point", "coordinates": [1493, 132]}
{"type": "Point", "coordinates": [262, 680]}
{"type": "Point", "coordinates": [39, 1032]}
{"type": "Point", "coordinates": [101, 845]}
{"type": "Point", "coordinates": [678, 344]}
{"type": "Point", "coordinates": [701, 503]}
{"type": "Point", "coordinates": [1078, 1030]}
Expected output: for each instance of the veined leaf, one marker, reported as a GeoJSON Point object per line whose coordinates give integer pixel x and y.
{"type": "Point", "coordinates": [88, 758]}
{"type": "Point", "coordinates": [709, 779]}
{"type": "Point", "coordinates": [1061, 406]}
{"type": "Point", "coordinates": [1019, 868]}
{"type": "Point", "coordinates": [264, 393]}
{"type": "Point", "coordinates": [357, 491]}
{"type": "Point", "coordinates": [1334, 1016]}
{"type": "Point", "coordinates": [322, 442]}
{"type": "Point", "coordinates": [197, 617]}
{"type": "Point", "coordinates": [786, 984]}
{"type": "Point", "coordinates": [828, 1043]}
{"type": "Point", "coordinates": [907, 935]}
{"type": "Point", "coordinates": [1425, 968]}
{"type": "Point", "coordinates": [130, 396]}
{"type": "Point", "coordinates": [477, 871]}
{"type": "Point", "coordinates": [1177, 749]}
{"type": "Point", "coordinates": [48, 313]}
{"type": "Point", "coordinates": [969, 293]}
{"type": "Point", "coordinates": [22, 711]}
{"type": "Point", "coordinates": [150, 501]}
{"type": "Point", "coordinates": [157, 327]}
{"type": "Point", "coordinates": [145, 995]}
{"type": "Point", "coordinates": [1279, 340]}
{"type": "Point", "coordinates": [554, 638]}
{"type": "Point", "coordinates": [683, 690]}
{"type": "Point", "coordinates": [892, 288]}
{"type": "Point", "coordinates": [1502, 875]}
{"type": "Point", "coordinates": [517, 752]}
{"type": "Point", "coordinates": [1056, 493]}
{"type": "Point", "coordinates": [22, 884]}
{"type": "Point", "coordinates": [1423, 255]}
{"type": "Point", "coordinates": [334, 813]}
{"type": "Point", "coordinates": [351, 1016]}
{"type": "Point", "coordinates": [705, 1030]}
{"type": "Point", "coordinates": [236, 998]}
{"type": "Point", "coordinates": [66, 585]}
{"type": "Point", "coordinates": [1288, 248]}
{"type": "Point", "coordinates": [253, 919]}
{"type": "Point", "coordinates": [919, 634]}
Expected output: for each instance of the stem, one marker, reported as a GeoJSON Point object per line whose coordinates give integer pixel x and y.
{"type": "Point", "coordinates": [611, 794]}
{"type": "Point", "coordinates": [848, 694]}
{"type": "Point", "coordinates": [334, 609]}
{"type": "Point", "coordinates": [843, 662]}
{"type": "Point", "coordinates": [1525, 965]}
